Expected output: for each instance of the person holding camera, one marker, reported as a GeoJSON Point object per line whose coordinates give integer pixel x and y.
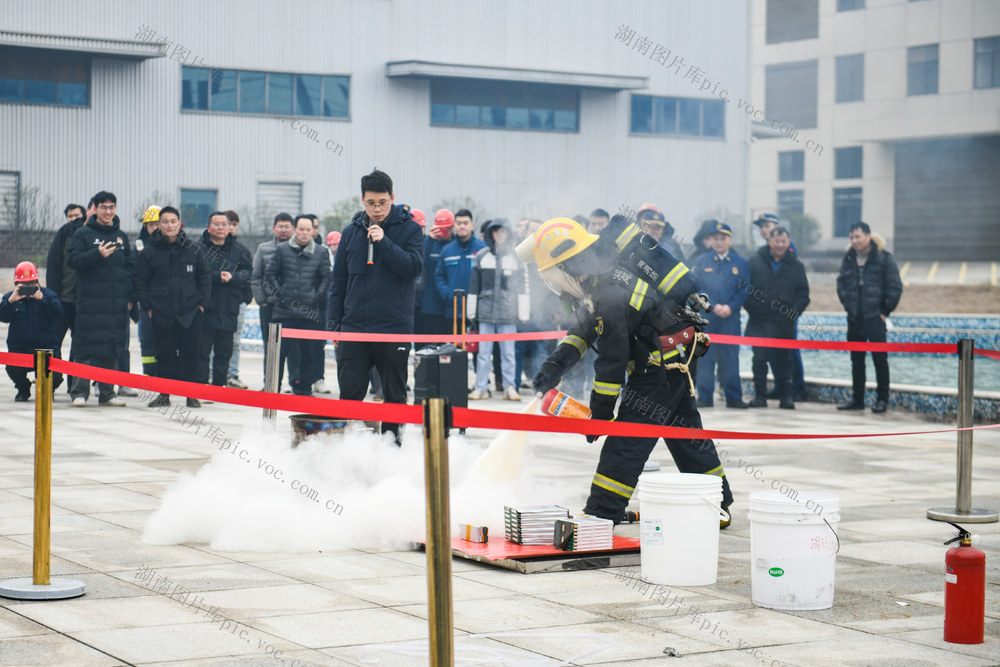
{"type": "Point", "coordinates": [35, 315]}
{"type": "Point", "coordinates": [102, 257]}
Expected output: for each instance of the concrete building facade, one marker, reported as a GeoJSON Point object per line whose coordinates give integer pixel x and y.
{"type": "Point", "coordinates": [895, 106]}
{"type": "Point", "coordinates": [528, 108]}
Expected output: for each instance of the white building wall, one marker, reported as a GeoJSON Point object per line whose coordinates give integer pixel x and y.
{"type": "Point", "coordinates": [134, 138]}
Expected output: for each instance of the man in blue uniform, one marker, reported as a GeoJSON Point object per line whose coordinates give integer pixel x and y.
{"type": "Point", "coordinates": [723, 274]}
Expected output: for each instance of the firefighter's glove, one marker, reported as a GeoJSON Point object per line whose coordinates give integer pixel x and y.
{"type": "Point", "coordinates": [546, 378]}
{"type": "Point", "coordinates": [602, 406]}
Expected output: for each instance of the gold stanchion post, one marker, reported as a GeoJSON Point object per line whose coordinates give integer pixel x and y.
{"type": "Point", "coordinates": [40, 586]}
{"type": "Point", "coordinates": [439, 607]}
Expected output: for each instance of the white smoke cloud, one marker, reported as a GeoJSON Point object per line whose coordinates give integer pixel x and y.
{"type": "Point", "coordinates": [361, 491]}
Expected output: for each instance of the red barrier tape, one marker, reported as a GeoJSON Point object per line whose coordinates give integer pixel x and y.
{"type": "Point", "coordinates": [312, 334]}
{"type": "Point", "coordinates": [413, 414]}
{"type": "Point", "coordinates": [723, 339]}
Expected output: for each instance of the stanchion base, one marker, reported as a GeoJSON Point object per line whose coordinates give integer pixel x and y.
{"type": "Point", "coordinates": [57, 589]}
{"type": "Point", "coordinates": [972, 516]}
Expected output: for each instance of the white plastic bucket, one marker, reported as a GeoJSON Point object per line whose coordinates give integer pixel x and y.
{"type": "Point", "coordinates": [679, 528]}
{"type": "Point", "coordinates": [793, 549]}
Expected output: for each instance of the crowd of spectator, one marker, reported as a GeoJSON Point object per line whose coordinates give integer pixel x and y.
{"type": "Point", "coordinates": [390, 272]}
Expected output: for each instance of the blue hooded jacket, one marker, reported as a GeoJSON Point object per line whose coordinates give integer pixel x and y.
{"type": "Point", "coordinates": [376, 298]}
{"type": "Point", "coordinates": [455, 268]}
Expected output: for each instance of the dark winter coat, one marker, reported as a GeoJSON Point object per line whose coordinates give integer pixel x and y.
{"type": "Point", "coordinates": [34, 324]}
{"type": "Point", "coordinates": [454, 269]}
{"type": "Point", "coordinates": [172, 279]}
{"type": "Point", "coordinates": [223, 308]}
{"type": "Point", "coordinates": [875, 288]}
{"type": "Point", "coordinates": [297, 279]}
{"type": "Point", "coordinates": [376, 298]}
{"type": "Point", "coordinates": [103, 291]}
{"type": "Point", "coordinates": [59, 277]}
{"type": "Point", "coordinates": [497, 281]}
{"type": "Point", "coordinates": [428, 297]}
{"type": "Point", "coordinates": [775, 299]}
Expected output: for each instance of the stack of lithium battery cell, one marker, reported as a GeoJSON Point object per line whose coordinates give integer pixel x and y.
{"type": "Point", "coordinates": [534, 524]}
{"type": "Point", "coordinates": [583, 533]}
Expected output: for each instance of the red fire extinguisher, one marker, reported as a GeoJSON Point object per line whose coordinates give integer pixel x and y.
{"type": "Point", "coordinates": [964, 590]}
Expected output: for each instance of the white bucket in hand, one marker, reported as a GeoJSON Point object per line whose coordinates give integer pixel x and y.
{"type": "Point", "coordinates": [679, 528]}
{"type": "Point", "coordinates": [793, 549]}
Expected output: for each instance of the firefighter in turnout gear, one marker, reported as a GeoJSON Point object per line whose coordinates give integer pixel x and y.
{"type": "Point", "coordinates": [636, 305]}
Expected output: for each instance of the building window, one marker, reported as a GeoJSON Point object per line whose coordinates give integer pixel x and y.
{"type": "Point", "coordinates": [790, 202]}
{"type": "Point", "coordinates": [274, 198]}
{"type": "Point", "coordinates": [10, 199]}
{"type": "Point", "coordinates": [847, 162]}
{"type": "Point", "coordinates": [922, 70]}
{"type": "Point", "coordinates": [850, 78]}
{"type": "Point", "coordinates": [846, 209]}
{"type": "Point", "coordinates": [274, 93]}
{"type": "Point", "coordinates": [987, 62]}
{"type": "Point", "coordinates": [504, 105]}
{"type": "Point", "coordinates": [790, 20]}
{"type": "Point", "coordinates": [791, 165]}
{"type": "Point", "coordinates": [850, 5]}
{"type": "Point", "coordinates": [195, 207]}
{"type": "Point", "coordinates": [30, 77]}
{"type": "Point", "coordinates": [678, 116]}
{"type": "Point", "coordinates": [790, 94]}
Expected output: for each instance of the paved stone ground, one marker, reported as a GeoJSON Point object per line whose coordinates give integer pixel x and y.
{"type": "Point", "coordinates": [368, 606]}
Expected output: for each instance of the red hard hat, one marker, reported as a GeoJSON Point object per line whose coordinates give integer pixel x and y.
{"type": "Point", "coordinates": [25, 273]}
{"type": "Point", "coordinates": [333, 238]}
{"type": "Point", "coordinates": [419, 216]}
{"type": "Point", "coordinates": [444, 218]}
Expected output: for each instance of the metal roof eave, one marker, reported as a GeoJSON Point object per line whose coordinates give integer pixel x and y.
{"type": "Point", "coordinates": [109, 48]}
{"type": "Point", "coordinates": [425, 69]}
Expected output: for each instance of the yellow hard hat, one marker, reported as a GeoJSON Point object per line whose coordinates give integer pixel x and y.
{"type": "Point", "coordinates": [558, 240]}
{"type": "Point", "coordinates": [152, 214]}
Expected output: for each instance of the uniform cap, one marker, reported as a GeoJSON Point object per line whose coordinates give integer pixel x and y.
{"type": "Point", "coordinates": [722, 228]}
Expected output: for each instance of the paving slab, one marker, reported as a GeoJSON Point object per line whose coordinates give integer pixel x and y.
{"type": "Point", "coordinates": [366, 603]}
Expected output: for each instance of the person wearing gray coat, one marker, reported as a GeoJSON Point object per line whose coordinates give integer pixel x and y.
{"type": "Point", "coordinates": [297, 278]}
{"type": "Point", "coordinates": [498, 299]}
{"type": "Point", "coordinates": [283, 228]}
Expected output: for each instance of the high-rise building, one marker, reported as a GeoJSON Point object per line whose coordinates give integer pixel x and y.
{"type": "Point", "coordinates": [886, 111]}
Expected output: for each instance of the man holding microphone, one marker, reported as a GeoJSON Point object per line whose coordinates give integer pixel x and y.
{"type": "Point", "coordinates": [374, 274]}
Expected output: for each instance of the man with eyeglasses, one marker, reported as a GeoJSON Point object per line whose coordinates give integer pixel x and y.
{"type": "Point", "coordinates": [101, 255]}
{"type": "Point", "coordinates": [373, 289]}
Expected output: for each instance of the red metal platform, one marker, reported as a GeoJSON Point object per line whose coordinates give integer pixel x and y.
{"type": "Point", "coordinates": [546, 558]}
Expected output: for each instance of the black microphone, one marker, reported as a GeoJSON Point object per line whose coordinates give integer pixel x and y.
{"type": "Point", "coordinates": [371, 250]}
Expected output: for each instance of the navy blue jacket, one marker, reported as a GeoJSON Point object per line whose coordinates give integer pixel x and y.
{"type": "Point", "coordinates": [455, 269]}
{"type": "Point", "coordinates": [34, 324]}
{"type": "Point", "coordinates": [431, 302]}
{"type": "Point", "coordinates": [376, 298]}
{"type": "Point", "coordinates": [724, 282]}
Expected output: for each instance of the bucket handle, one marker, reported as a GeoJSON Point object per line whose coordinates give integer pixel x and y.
{"type": "Point", "coordinates": [834, 533]}
{"type": "Point", "coordinates": [722, 513]}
